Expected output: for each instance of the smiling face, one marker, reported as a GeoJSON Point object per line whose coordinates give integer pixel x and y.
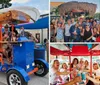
{"type": "Point", "coordinates": [87, 20]}
{"type": "Point", "coordinates": [94, 22]}
{"type": "Point", "coordinates": [86, 63]}
{"type": "Point", "coordinates": [94, 30]}
{"type": "Point", "coordinates": [75, 61]}
{"type": "Point", "coordinates": [59, 24]}
{"type": "Point", "coordinates": [64, 66]}
{"type": "Point", "coordinates": [80, 27]}
{"type": "Point", "coordinates": [76, 25]}
{"type": "Point", "coordinates": [56, 64]}
{"type": "Point", "coordinates": [72, 20]}
{"type": "Point", "coordinates": [6, 29]}
{"type": "Point", "coordinates": [95, 66]}
{"type": "Point", "coordinates": [80, 20]}
{"type": "Point", "coordinates": [69, 21]}
{"type": "Point", "coordinates": [81, 61]}
{"type": "Point", "coordinates": [87, 27]}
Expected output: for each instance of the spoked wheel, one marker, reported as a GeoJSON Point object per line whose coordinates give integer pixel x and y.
{"type": "Point", "coordinates": [43, 70]}
{"type": "Point", "coordinates": [15, 78]}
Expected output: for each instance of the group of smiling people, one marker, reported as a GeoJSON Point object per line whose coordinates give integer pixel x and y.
{"type": "Point", "coordinates": [71, 30]}
{"type": "Point", "coordinates": [62, 74]}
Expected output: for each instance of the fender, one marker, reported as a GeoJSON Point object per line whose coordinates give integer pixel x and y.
{"type": "Point", "coordinates": [21, 71]}
{"type": "Point", "coordinates": [46, 63]}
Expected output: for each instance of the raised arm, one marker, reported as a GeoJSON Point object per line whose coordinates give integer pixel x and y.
{"type": "Point", "coordinates": [62, 73]}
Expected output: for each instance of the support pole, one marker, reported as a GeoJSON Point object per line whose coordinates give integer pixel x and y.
{"type": "Point", "coordinates": [70, 64]}
{"type": "Point", "coordinates": [90, 64]}
{"type": "Point", "coordinates": [12, 30]}
{"type": "Point", "coordinates": [1, 49]}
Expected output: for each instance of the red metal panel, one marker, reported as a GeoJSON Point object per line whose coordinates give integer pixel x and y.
{"type": "Point", "coordinates": [80, 51]}
{"type": "Point", "coordinates": [95, 52]}
{"type": "Point", "coordinates": [76, 51]}
{"type": "Point", "coordinates": [55, 51]}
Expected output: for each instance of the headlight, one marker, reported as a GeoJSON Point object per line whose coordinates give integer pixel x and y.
{"type": "Point", "coordinates": [28, 66]}
{"type": "Point", "coordinates": [33, 64]}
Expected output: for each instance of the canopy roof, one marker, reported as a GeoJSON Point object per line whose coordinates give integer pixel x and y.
{"type": "Point", "coordinates": [40, 24]}
{"type": "Point", "coordinates": [79, 50]}
{"type": "Point", "coordinates": [76, 6]}
{"type": "Point", "coordinates": [14, 16]}
{"type": "Point", "coordinates": [57, 52]}
{"type": "Point", "coordinates": [31, 11]}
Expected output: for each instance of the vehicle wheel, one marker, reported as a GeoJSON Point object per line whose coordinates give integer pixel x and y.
{"type": "Point", "coordinates": [43, 70]}
{"type": "Point", "coordinates": [15, 78]}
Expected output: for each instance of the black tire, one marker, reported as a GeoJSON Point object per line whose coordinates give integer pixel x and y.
{"type": "Point", "coordinates": [42, 67]}
{"type": "Point", "coordinates": [11, 72]}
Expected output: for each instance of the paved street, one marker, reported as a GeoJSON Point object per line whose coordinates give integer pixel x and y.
{"type": "Point", "coordinates": [34, 80]}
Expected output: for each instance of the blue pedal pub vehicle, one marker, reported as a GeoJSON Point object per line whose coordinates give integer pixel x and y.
{"type": "Point", "coordinates": [26, 60]}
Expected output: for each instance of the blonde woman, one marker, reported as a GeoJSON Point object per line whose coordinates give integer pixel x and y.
{"type": "Point", "coordinates": [96, 70]}
{"type": "Point", "coordinates": [65, 78]}
{"type": "Point", "coordinates": [59, 30]}
{"type": "Point", "coordinates": [54, 72]}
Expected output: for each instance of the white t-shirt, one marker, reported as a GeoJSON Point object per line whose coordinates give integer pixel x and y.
{"type": "Point", "coordinates": [97, 72]}
{"type": "Point", "coordinates": [52, 76]}
{"type": "Point", "coordinates": [67, 28]}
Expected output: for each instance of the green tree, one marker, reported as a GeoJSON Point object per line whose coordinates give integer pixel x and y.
{"type": "Point", "coordinates": [5, 4]}
{"type": "Point", "coordinates": [56, 11]}
{"type": "Point", "coordinates": [97, 16]}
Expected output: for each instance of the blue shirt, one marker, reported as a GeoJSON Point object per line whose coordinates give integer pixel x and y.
{"type": "Point", "coordinates": [60, 33]}
{"type": "Point", "coordinates": [72, 29]}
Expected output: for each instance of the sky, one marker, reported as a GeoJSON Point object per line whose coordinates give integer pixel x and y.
{"type": "Point", "coordinates": [90, 1]}
{"type": "Point", "coordinates": [41, 5]}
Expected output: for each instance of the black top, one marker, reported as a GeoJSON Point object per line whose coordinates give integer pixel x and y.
{"type": "Point", "coordinates": [87, 34]}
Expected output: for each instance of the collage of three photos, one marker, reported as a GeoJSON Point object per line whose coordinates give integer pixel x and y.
{"type": "Point", "coordinates": [49, 42]}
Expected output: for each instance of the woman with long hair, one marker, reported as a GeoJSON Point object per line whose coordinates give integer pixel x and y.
{"type": "Point", "coordinates": [74, 67]}
{"type": "Point", "coordinates": [55, 73]}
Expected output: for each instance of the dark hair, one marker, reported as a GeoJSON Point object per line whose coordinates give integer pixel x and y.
{"type": "Point", "coordinates": [11, 28]}
{"type": "Point", "coordinates": [95, 63]}
{"type": "Point", "coordinates": [14, 30]}
{"type": "Point", "coordinates": [94, 21]}
{"type": "Point", "coordinates": [74, 61]}
{"type": "Point", "coordinates": [45, 40]}
{"type": "Point", "coordinates": [66, 13]}
{"type": "Point", "coordinates": [95, 27]}
{"type": "Point", "coordinates": [86, 61]}
{"type": "Point", "coordinates": [87, 18]}
{"type": "Point", "coordinates": [51, 23]}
